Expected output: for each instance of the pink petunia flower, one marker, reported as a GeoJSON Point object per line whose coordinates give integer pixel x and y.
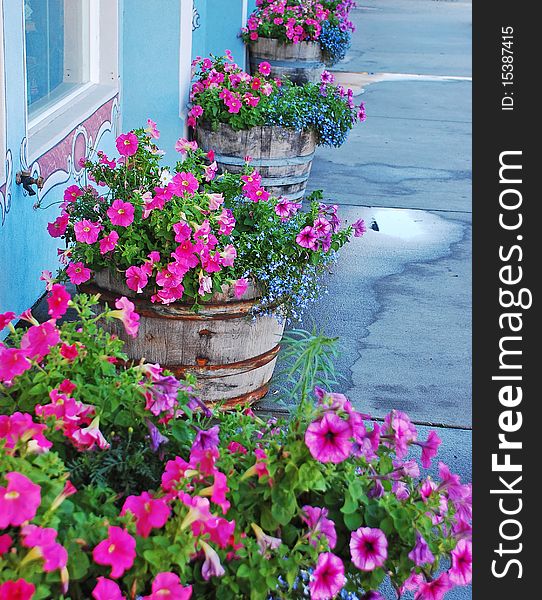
{"type": "Point", "coordinates": [89, 437]}
{"type": "Point", "coordinates": [58, 301]}
{"type": "Point", "coordinates": [19, 427]}
{"type": "Point", "coordinates": [72, 193]}
{"type": "Point", "coordinates": [265, 542]}
{"type": "Point", "coordinates": [461, 571]}
{"type": "Point", "coordinates": [86, 231]}
{"type": "Point", "coordinates": [108, 242]}
{"type": "Point", "coordinates": [328, 577]}
{"type": "Point", "coordinates": [69, 351]}
{"type": "Point", "coordinates": [369, 548]}
{"type": "Point", "coordinates": [359, 228]}
{"type": "Point", "coordinates": [168, 585]}
{"type": "Point", "coordinates": [264, 68]}
{"type": "Point", "coordinates": [152, 130]}
{"type": "Point", "coordinates": [43, 542]}
{"type": "Point", "coordinates": [58, 227]}
{"type": "Point", "coordinates": [6, 541]}
{"type": "Point", "coordinates": [435, 589]}
{"type": "Point", "coordinates": [329, 439]}
{"type": "Point", "coordinates": [319, 524]}
{"type": "Point", "coordinates": [126, 313]}
{"type": "Point", "coordinates": [183, 146]}
{"type": "Point", "coordinates": [19, 500]}
{"type": "Point", "coordinates": [307, 238]}
{"type": "Point", "coordinates": [183, 183]}
{"type": "Point", "coordinates": [136, 278]}
{"type": "Point", "coordinates": [17, 590]}
{"type": "Point", "coordinates": [211, 566]}
{"type": "Point", "coordinates": [117, 550]}
{"type": "Point", "coordinates": [430, 448]}
{"type": "Point", "coordinates": [149, 512]}
{"type": "Point", "coordinates": [121, 213]}
{"type": "Point", "coordinates": [106, 589]}
{"type": "Point", "coordinates": [39, 339]}
{"type": "Point", "coordinates": [13, 362]}
{"type": "Point", "coordinates": [421, 554]}
{"type": "Point", "coordinates": [78, 273]}
{"type": "Point", "coordinates": [127, 144]}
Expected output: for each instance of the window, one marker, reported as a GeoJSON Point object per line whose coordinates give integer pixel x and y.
{"type": "Point", "coordinates": [71, 53]}
{"type": "Point", "coordinates": [57, 50]}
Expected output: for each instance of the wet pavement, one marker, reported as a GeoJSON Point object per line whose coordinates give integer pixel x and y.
{"type": "Point", "coordinates": [400, 298]}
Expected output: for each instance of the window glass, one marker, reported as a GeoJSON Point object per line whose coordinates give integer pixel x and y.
{"type": "Point", "coordinates": [56, 33]}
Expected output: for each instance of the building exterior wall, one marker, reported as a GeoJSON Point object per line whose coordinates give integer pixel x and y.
{"type": "Point", "coordinates": [139, 55]}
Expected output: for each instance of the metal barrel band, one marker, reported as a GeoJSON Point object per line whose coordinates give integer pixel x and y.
{"type": "Point", "coordinates": [265, 162]}
{"type": "Point", "coordinates": [292, 64]}
{"type": "Point", "coordinates": [288, 180]}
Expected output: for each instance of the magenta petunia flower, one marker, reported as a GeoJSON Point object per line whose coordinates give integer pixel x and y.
{"type": "Point", "coordinates": [43, 541]}
{"type": "Point", "coordinates": [78, 273]}
{"type": "Point", "coordinates": [6, 318]}
{"type": "Point", "coordinates": [72, 193]}
{"type": "Point", "coordinates": [183, 183]}
{"type": "Point", "coordinates": [13, 362]}
{"type": "Point", "coordinates": [168, 585]}
{"type": "Point", "coordinates": [127, 144]}
{"type": "Point", "coordinates": [86, 231]}
{"type": "Point", "coordinates": [108, 242]}
{"type": "Point", "coordinates": [58, 301]}
{"type": "Point", "coordinates": [327, 77]}
{"type": "Point", "coordinates": [368, 548]}
{"type": "Point", "coordinates": [19, 500]}
{"type": "Point", "coordinates": [121, 213]}
{"type": "Point", "coordinates": [149, 512]}
{"type": "Point", "coordinates": [17, 590]}
{"type": "Point", "coordinates": [328, 577]}
{"type": "Point", "coordinates": [264, 68]}
{"type": "Point", "coordinates": [435, 589]}
{"type": "Point", "coordinates": [430, 448]}
{"type": "Point", "coordinates": [117, 551]}
{"type": "Point", "coordinates": [329, 439]}
{"type": "Point", "coordinates": [58, 227]}
{"type": "Point", "coordinates": [136, 278]}
{"type": "Point", "coordinates": [359, 228]}
{"type": "Point", "coordinates": [461, 571]}
{"type": "Point", "coordinates": [6, 541]}
{"type": "Point", "coordinates": [106, 589]}
{"type": "Point", "coordinates": [39, 339]}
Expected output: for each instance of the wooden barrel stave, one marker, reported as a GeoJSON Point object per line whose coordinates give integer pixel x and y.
{"type": "Point", "coordinates": [231, 353]}
{"type": "Point", "coordinates": [282, 156]}
{"type": "Point", "coordinates": [301, 63]}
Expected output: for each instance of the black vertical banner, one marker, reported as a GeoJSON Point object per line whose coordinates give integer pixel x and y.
{"type": "Point", "coordinates": [507, 257]}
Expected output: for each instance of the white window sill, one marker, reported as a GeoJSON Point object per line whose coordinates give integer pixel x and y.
{"type": "Point", "coordinates": [45, 130]}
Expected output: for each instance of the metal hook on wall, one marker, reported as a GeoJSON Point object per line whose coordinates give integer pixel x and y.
{"type": "Point", "coordinates": [25, 178]}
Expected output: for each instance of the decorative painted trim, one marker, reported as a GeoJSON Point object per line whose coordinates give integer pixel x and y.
{"type": "Point", "coordinates": [60, 163]}
{"type": "Point", "coordinates": [5, 188]}
{"type": "Point", "coordinates": [195, 18]}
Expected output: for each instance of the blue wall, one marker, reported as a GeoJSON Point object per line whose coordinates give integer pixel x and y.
{"type": "Point", "coordinates": [150, 68]}
{"type": "Point", "coordinates": [220, 25]}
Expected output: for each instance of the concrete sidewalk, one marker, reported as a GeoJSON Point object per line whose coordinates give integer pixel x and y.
{"type": "Point", "coordinates": [400, 298]}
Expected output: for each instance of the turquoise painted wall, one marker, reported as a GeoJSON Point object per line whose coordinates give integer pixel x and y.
{"type": "Point", "coordinates": [221, 22]}
{"type": "Point", "coordinates": [26, 249]}
{"type": "Point", "coordinates": [150, 67]}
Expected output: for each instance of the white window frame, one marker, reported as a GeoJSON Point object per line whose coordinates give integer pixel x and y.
{"type": "Point", "coordinates": [49, 126]}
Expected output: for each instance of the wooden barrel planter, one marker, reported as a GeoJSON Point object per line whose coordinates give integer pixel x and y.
{"type": "Point", "coordinates": [283, 156]}
{"type": "Point", "coordinates": [231, 353]}
{"type": "Point", "coordinates": [301, 63]}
